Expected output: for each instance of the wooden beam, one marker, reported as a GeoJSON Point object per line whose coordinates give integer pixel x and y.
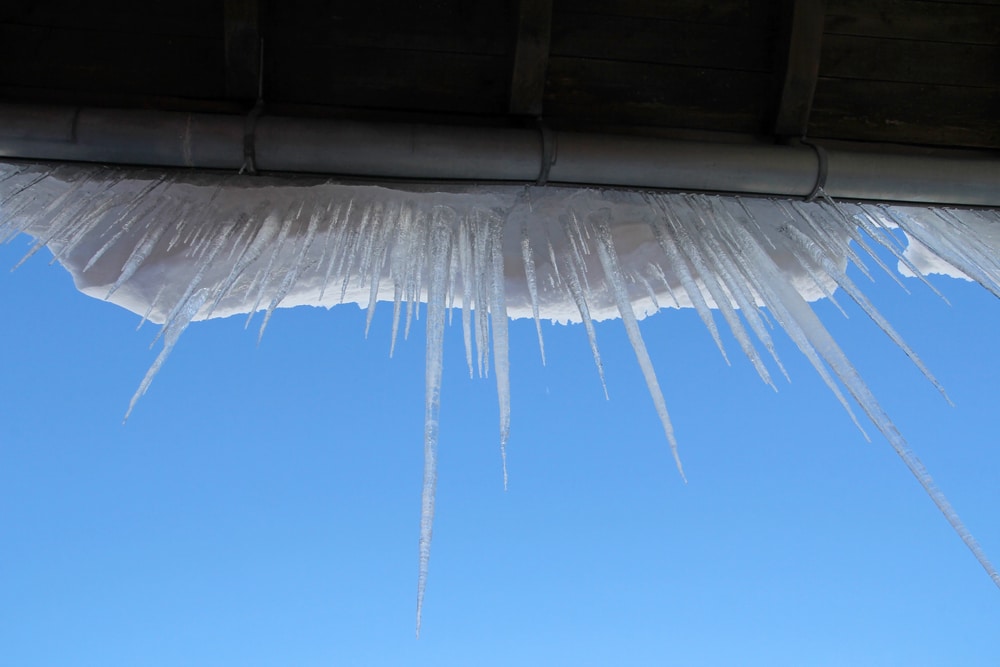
{"type": "Point", "coordinates": [531, 57]}
{"type": "Point", "coordinates": [799, 42]}
{"type": "Point", "coordinates": [242, 26]}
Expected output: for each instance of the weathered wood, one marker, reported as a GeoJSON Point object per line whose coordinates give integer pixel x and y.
{"type": "Point", "coordinates": [111, 62]}
{"type": "Point", "coordinates": [720, 12]}
{"type": "Point", "coordinates": [531, 57]}
{"type": "Point", "coordinates": [36, 94]}
{"type": "Point", "coordinates": [851, 57]}
{"type": "Point", "coordinates": [611, 92]}
{"type": "Point", "coordinates": [798, 54]}
{"type": "Point", "coordinates": [915, 19]}
{"type": "Point", "coordinates": [181, 18]}
{"type": "Point", "coordinates": [422, 25]}
{"type": "Point", "coordinates": [242, 43]}
{"type": "Point", "coordinates": [660, 41]}
{"type": "Point", "coordinates": [389, 79]}
{"type": "Point", "coordinates": [906, 113]}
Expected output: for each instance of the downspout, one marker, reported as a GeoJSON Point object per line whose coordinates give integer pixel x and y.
{"type": "Point", "coordinates": [449, 153]}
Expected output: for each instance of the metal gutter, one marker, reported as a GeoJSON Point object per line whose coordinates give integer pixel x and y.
{"type": "Point", "coordinates": [452, 153]}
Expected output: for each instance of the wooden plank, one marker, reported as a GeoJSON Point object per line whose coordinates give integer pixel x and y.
{"type": "Point", "coordinates": [111, 62]}
{"type": "Point", "coordinates": [798, 51]}
{"type": "Point", "coordinates": [531, 57]}
{"type": "Point", "coordinates": [189, 18]}
{"type": "Point", "coordinates": [39, 94]}
{"type": "Point", "coordinates": [387, 79]}
{"type": "Point", "coordinates": [641, 39]}
{"type": "Point", "coordinates": [718, 12]}
{"type": "Point", "coordinates": [420, 25]}
{"type": "Point", "coordinates": [851, 57]}
{"type": "Point", "coordinates": [242, 44]}
{"type": "Point", "coordinates": [614, 93]}
{"type": "Point", "coordinates": [914, 19]}
{"type": "Point", "coordinates": [906, 113]}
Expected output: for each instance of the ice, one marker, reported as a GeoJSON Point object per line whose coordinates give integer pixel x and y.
{"type": "Point", "coordinates": [440, 247]}
{"type": "Point", "coordinates": [613, 274]}
{"type": "Point", "coordinates": [498, 318]}
{"type": "Point", "coordinates": [176, 248]}
{"type": "Point", "coordinates": [529, 274]}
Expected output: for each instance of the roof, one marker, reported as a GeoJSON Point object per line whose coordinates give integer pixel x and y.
{"type": "Point", "coordinates": [905, 72]}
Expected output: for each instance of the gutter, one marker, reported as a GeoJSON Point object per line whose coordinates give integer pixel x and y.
{"type": "Point", "coordinates": [353, 149]}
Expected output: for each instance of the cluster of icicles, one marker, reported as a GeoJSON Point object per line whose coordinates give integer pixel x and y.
{"type": "Point", "coordinates": [179, 247]}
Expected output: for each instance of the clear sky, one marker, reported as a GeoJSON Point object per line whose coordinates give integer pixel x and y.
{"type": "Point", "coordinates": [261, 505]}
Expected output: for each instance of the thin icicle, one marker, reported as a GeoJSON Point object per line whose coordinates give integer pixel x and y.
{"type": "Point", "coordinates": [529, 276]}
{"type": "Point", "coordinates": [332, 240]}
{"type": "Point", "coordinates": [139, 254]}
{"type": "Point", "coordinates": [613, 274]}
{"type": "Point", "coordinates": [440, 245]}
{"type": "Point", "coordinates": [291, 275]}
{"type": "Point", "coordinates": [498, 318]}
{"type": "Point", "coordinates": [576, 293]}
{"type": "Point", "coordinates": [679, 266]}
{"type": "Point", "coordinates": [380, 252]}
{"type": "Point", "coordinates": [822, 341]}
{"type": "Point", "coordinates": [774, 290]}
{"type": "Point", "coordinates": [263, 278]}
{"type": "Point", "coordinates": [397, 297]}
{"type": "Point", "coordinates": [172, 332]}
{"type": "Point", "coordinates": [416, 252]}
{"type": "Point", "coordinates": [852, 229]}
{"type": "Point", "coordinates": [480, 272]}
{"type": "Point", "coordinates": [852, 290]}
{"type": "Point", "coordinates": [691, 250]}
{"type": "Point", "coordinates": [465, 260]}
{"type": "Point", "coordinates": [126, 219]}
{"type": "Point", "coordinates": [884, 237]}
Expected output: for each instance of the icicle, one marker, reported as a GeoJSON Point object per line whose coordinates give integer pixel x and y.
{"type": "Point", "coordinates": [333, 239]}
{"type": "Point", "coordinates": [852, 290]}
{"type": "Point", "coordinates": [852, 229]}
{"type": "Point", "coordinates": [291, 275]}
{"type": "Point", "coordinates": [821, 339]}
{"type": "Point", "coordinates": [173, 330]}
{"type": "Point", "coordinates": [440, 245]}
{"type": "Point", "coordinates": [266, 230]}
{"type": "Point", "coordinates": [575, 290]}
{"type": "Point", "coordinates": [380, 251]}
{"type": "Point", "coordinates": [732, 278]}
{"type": "Point", "coordinates": [498, 318]}
{"type": "Point", "coordinates": [125, 219]}
{"type": "Point", "coordinates": [414, 270]}
{"type": "Point", "coordinates": [481, 268]}
{"type": "Point", "coordinates": [138, 255]}
{"type": "Point", "coordinates": [680, 268]}
{"type": "Point", "coordinates": [871, 221]}
{"type": "Point", "coordinates": [397, 297]}
{"type": "Point", "coordinates": [774, 290]}
{"type": "Point", "coordinates": [613, 274]}
{"type": "Point", "coordinates": [262, 279]}
{"type": "Point", "coordinates": [465, 259]}
{"type": "Point", "coordinates": [529, 276]}
{"type": "Point", "coordinates": [722, 300]}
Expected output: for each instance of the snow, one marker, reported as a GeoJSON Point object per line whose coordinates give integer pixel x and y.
{"type": "Point", "coordinates": [177, 247]}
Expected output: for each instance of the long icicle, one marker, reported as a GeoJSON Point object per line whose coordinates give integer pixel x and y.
{"type": "Point", "coordinates": [440, 245]}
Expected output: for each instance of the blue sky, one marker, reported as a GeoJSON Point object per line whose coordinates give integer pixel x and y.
{"type": "Point", "coordinates": [261, 505]}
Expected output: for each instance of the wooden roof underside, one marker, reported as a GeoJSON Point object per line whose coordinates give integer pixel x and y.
{"type": "Point", "coordinates": [916, 72]}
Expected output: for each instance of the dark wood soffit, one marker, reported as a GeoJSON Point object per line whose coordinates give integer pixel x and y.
{"type": "Point", "coordinates": [242, 45]}
{"type": "Point", "coordinates": [798, 47]}
{"type": "Point", "coordinates": [531, 57]}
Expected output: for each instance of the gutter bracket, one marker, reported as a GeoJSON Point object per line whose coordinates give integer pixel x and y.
{"type": "Point", "coordinates": [822, 169]}
{"type": "Point", "coordinates": [250, 140]}
{"type": "Point", "coordinates": [548, 137]}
